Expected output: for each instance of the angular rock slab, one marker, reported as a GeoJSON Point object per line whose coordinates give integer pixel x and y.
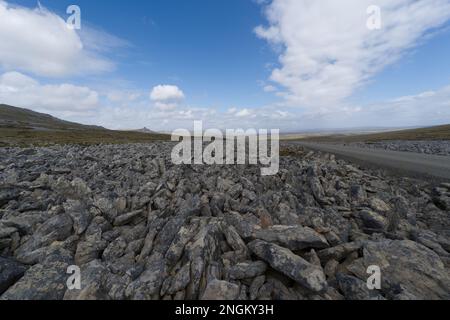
{"type": "Point", "coordinates": [10, 272]}
{"type": "Point", "coordinates": [221, 290]}
{"type": "Point", "coordinates": [411, 266]}
{"type": "Point", "coordinates": [291, 265]}
{"type": "Point", "coordinates": [292, 237]}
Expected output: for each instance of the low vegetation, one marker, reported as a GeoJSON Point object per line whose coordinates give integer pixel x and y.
{"type": "Point", "coordinates": [431, 133]}
{"type": "Point", "coordinates": [23, 127]}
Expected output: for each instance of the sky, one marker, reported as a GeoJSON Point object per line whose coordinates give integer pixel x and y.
{"type": "Point", "coordinates": [293, 65]}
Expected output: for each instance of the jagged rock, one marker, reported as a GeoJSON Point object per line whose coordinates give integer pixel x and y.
{"type": "Point", "coordinates": [379, 205]}
{"type": "Point", "coordinates": [79, 189]}
{"type": "Point", "coordinates": [115, 249]}
{"type": "Point", "coordinates": [409, 264]}
{"type": "Point", "coordinates": [148, 285]}
{"type": "Point", "coordinates": [181, 279]}
{"type": "Point", "coordinates": [126, 218]}
{"type": "Point", "coordinates": [331, 268]}
{"type": "Point", "coordinates": [79, 214]}
{"type": "Point", "coordinates": [295, 267]}
{"type": "Point", "coordinates": [10, 272]}
{"type": "Point", "coordinates": [92, 279]}
{"type": "Point", "coordinates": [372, 220]}
{"type": "Point", "coordinates": [221, 290]}
{"type": "Point", "coordinates": [6, 231]}
{"type": "Point", "coordinates": [357, 193]}
{"type": "Point", "coordinates": [256, 284]}
{"type": "Point", "coordinates": [89, 250]}
{"type": "Point", "coordinates": [44, 281]}
{"type": "Point", "coordinates": [244, 227]}
{"type": "Point", "coordinates": [140, 227]}
{"type": "Point", "coordinates": [292, 237]}
{"type": "Point", "coordinates": [339, 252]}
{"type": "Point", "coordinates": [246, 270]}
{"type": "Point", "coordinates": [57, 228]}
{"type": "Point", "coordinates": [355, 289]}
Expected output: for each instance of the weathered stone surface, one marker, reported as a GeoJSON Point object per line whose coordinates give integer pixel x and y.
{"type": "Point", "coordinates": [81, 217]}
{"type": "Point", "coordinates": [57, 228]}
{"type": "Point", "coordinates": [89, 250]}
{"type": "Point", "coordinates": [413, 266]}
{"type": "Point", "coordinates": [355, 289]}
{"type": "Point", "coordinates": [44, 281]}
{"type": "Point", "coordinates": [10, 272]}
{"type": "Point", "coordinates": [246, 270]}
{"type": "Point", "coordinates": [373, 220]}
{"type": "Point", "coordinates": [92, 280]}
{"type": "Point", "coordinates": [295, 267]}
{"type": "Point", "coordinates": [221, 290]}
{"type": "Point", "coordinates": [292, 237]}
{"type": "Point", "coordinates": [140, 227]}
{"type": "Point", "coordinates": [126, 218]}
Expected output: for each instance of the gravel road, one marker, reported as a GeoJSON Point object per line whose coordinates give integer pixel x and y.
{"type": "Point", "coordinates": [416, 163]}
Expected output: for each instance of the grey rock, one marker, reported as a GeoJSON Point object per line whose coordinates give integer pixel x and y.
{"type": "Point", "coordinates": [10, 272]}
{"type": "Point", "coordinates": [45, 281]}
{"type": "Point", "coordinates": [415, 267]}
{"type": "Point", "coordinates": [79, 214]}
{"type": "Point", "coordinates": [126, 218]}
{"type": "Point", "coordinates": [246, 270]}
{"type": "Point", "coordinates": [355, 289]}
{"type": "Point", "coordinates": [373, 220]}
{"type": "Point", "coordinates": [89, 250]}
{"type": "Point", "coordinates": [92, 280]}
{"type": "Point", "coordinates": [293, 266]}
{"type": "Point", "coordinates": [57, 228]}
{"type": "Point", "coordinates": [292, 237]}
{"type": "Point", "coordinates": [221, 290]}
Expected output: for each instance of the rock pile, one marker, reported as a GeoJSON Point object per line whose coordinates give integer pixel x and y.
{"type": "Point", "coordinates": [139, 227]}
{"type": "Point", "coordinates": [438, 147]}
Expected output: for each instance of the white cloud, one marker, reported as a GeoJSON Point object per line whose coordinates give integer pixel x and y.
{"type": "Point", "coordinates": [269, 88]}
{"type": "Point", "coordinates": [327, 51]}
{"type": "Point", "coordinates": [243, 113]}
{"type": "Point", "coordinates": [39, 41]}
{"type": "Point", "coordinates": [82, 104]}
{"type": "Point", "coordinates": [22, 91]}
{"type": "Point", "coordinates": [166, 93]}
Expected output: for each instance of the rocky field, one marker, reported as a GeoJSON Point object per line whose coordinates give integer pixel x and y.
{"type": "Point", "coordinates": [141, 228]}
{"type": "Point", "coordinates": [439, 147]}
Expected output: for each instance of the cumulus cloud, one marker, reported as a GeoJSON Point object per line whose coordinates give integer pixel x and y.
{"type": "Point", "coordinates": [327, 51]}
{"type": "Point", "coordinates": [166, 93]}
{"type": "Point", "coordinates": [39, 41]}
{"type": "Point", "coordinates": [166, 97]}
{"type": "Point", "coordinates": [20, 90]}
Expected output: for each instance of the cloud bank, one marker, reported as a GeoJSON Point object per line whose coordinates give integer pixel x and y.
{"type": "Point", "coordinates": [327, 50]}
{"type": "Point", "coordinates": [39, 41]}
{"type": "Point", "coordinates": [20, 90]}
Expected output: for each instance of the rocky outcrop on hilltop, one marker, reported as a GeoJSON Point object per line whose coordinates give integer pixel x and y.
{"type": "Point", "coordinates": [139, 227]}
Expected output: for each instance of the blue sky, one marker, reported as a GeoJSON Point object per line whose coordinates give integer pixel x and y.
{"type": "Point", "coordinates": [294, 65]}
{"type": "Point", "coordinates": [207, 47]}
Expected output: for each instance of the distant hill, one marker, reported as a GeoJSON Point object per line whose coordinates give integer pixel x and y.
{"type": "Point", "coordinates": [430, 133]}
{"type": "Point", "coordinates": [22, 127]}
{"type": "Point", "coordinates": [13, 117]}
{"type": "Point", "coordinates": [145, 130]}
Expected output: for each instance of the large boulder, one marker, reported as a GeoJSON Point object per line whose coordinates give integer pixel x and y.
{"type": "Point", "coordinates": [285, 261]}
{"type": "Point", "coordinates": [409, 267]}
{"type": "Point", "coordinates": [57, 228]}
{"type": "Point", "coordinates": [292, 237]}
{"type": "Point", "coordinates": [10, 272]}
{"type": "Point", "coordinates": [43, 281]}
